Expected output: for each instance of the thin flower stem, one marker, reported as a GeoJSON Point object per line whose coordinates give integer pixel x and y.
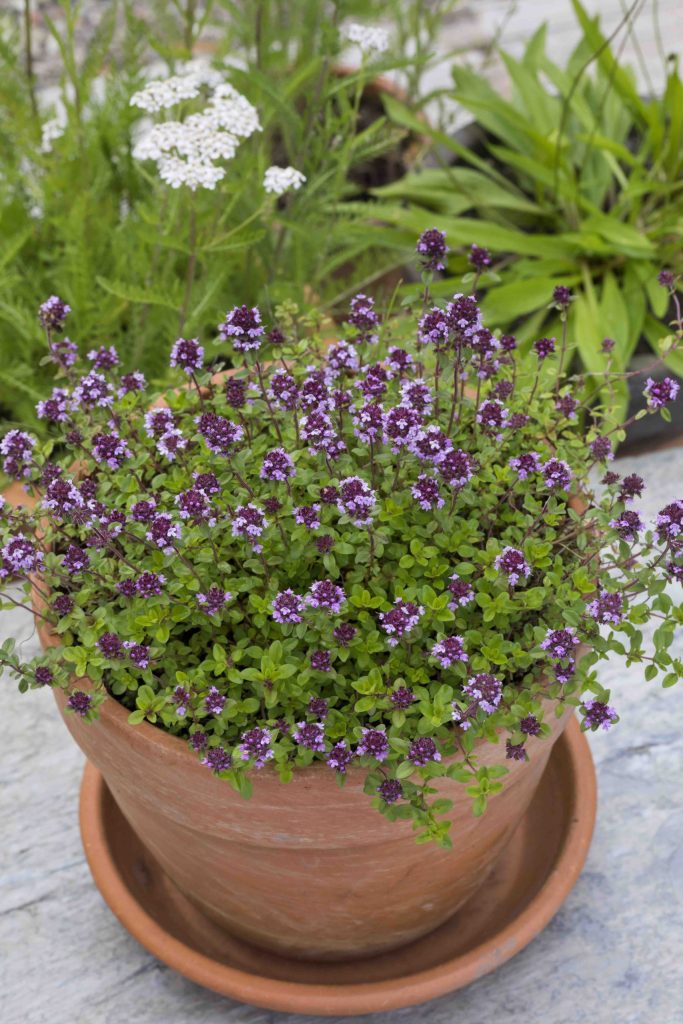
{"type": "Point", "coordinates": [191, 270]}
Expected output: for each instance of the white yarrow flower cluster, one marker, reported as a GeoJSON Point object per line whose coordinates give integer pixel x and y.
{"type": "Point", "coordinates": [185, 151]}
{"type": "Point", "coordinates": [53, 129]}
{"type": "Point", "coordinates": [370, 38]}
{"type": "Point", "coordinates": [281, 179]}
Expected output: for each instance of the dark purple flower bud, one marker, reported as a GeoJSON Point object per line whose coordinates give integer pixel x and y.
{"type": "Point", "coordinates": [127, 588]}
{"type": "Point", "coordinates": [214, 600]}
{"type": "Point", "coordinates": [198, 739]}
{"type": "Point", "coordinates": [422, 751]}
{"type": "Point", "coordinates": [425, 490]}
{"type": "Point", "coordinates": [329, 495]}
{"type": "Point", "coordinates": [235, 392]}
{"type": "Point", "coordinates": [255, 746]}
{"type": "Point", "coordinates": [544, 347]}
{"type": "Point", "coordinates": [402, 698]}
{"type": "Point", "coordinates": [310, 735]}
{"type": "Point", "coordinates": [75, 560]}
{"type": "Point", "coordinates": [607, 345]}
{"type": "Point", "coordinates": [596, 714]}
{"type": "Point", "coordinates": [207, 483]}
{"type": "Point", "coordinates": [483, 343]}
{"type": "Point", "coordinates": [220, 435]}
{"type": "Point", "coordinates": [493, 417]}
{"type": "Point", "coordinates": [138, 654]}
{"type": "Point", "coordinates": [517, 421]}
{"type": "Point", "coordinates": [340, 757]}
{"type": "Point", "coordinates": [314, 393]}
{"type": "Point", "coordinates": [79, 702]}
{"type": "Point", "coordinates": [486, 690]}
{"type": "Point", "coordinates": [628, 525]}
{"type": "Point", "coordinates": [560, 643]}
{"type": "Point", "coordinates": [276, 337]}
{"type": "Point", "coordinates": [461, 592]}
{"type": "Point", "coordinates": [463, 316]}
{"type": "Point", "coordinates": [287, 607]}
{"type": "Point", "coordinates": [272, 505]}
{"type": "Point", "coordinates": [449, 651]}
{"type": "Point", "coordinates": [214, 702]}
{"type": "Point", "coordinates": [669, 523]}
{"type": "Point", "coordinates": [607, 607]}
{"type": "Point", "coordinates": [163, 532]}
{"type": "Point", "coordinates": [243, 325]}
{"type": "Point", "coordinates": [666, 278]}
{"type": "Point", "coordinates": [43, 676]}
{"type": "Point", "coordinates": [52, 313]}
{"type": "Point", "coordinates": [217, 759]}
{"type": "Point", "coordinates": [530, 726]}
{"type": "Point", "coordinates": [557, 473]}
{"type": "Point", "coordinates": [601, 449]}
{"type": "Point", "coordinates": [562, 296]}
{"type": "Point", "coordinates": [130, 382]}
{"type": "Point", "coordinates": [432, 249]}
{"type": "Point", "coordinates": [373, 743]}
{"type": "Point", "coordinates": [158, 422]}
{"type": "Point", "coordinates": [402, 618]}
{"type": "Point", "coordinates": [150, 584]}
{"type": "Point", "coordinates": [417, 395]}
{"type": "Point", "coordinates": [111, 646]}
{"type": "Point", "coordinates": [324, 544]}
{"type": "Point", "coordinates": [181, 698]}
{"type": "Point", "coordinates": [399, 361]}
{"type": "Point", "coordinates": [187, 354]}
{"type": "Point", "coordinates": [508, 342]}
{"type": "Point", "coordinates": [63, 605]}
{"type": "Point", "coordinates": [363, 317]}
{"type": "Point", "coordinates": [610, 478]}
{"type": "Point", "coordinates": [54, 409]}
{"type": "Point", "coordinates": [326, 595]}
{"type": "Point", "coordinates": [513, 564]}
{"type": "Point", "coordinates": [479, 258]}
{"type": "Point", "coordinates": [433, 328]}
{"type": "Point", "coordinates": [144, 511]}
{"type": "Point", "coordinates": [502, 389]}
{"type": "Point", "coordinates": [283, 391]}
{"type": "Point", "coordinates": [320, 661]}
{"type": "Point", "coordinates": [344, 634]}
{"type": "Point", "coordinates": [457, 468]}
{"type": "Point", "coordinates": [515, 751]}
{"type": "Point", "coordinates": [104, 358]}
{"type": "Point", "coordinates": [567, 405]}
{"type": "Point", "coordinates": [632, 486]}
{"type": "Point", "coordinates": [660, 392]}
{"type": "Point", "coordinates": [318, 706]}
{"type": "Point", "coordinates": [390, 791]}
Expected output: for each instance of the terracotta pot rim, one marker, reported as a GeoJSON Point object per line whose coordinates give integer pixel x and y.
{"type": "Point", "coordinates": [365, 997]}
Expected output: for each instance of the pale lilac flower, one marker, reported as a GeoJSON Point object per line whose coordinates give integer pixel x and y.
{"type": "Point", "coordinates": [402, 618]}
{"type": "Point", "coordinates": [373, 743]}
{"type": "Point", "coordinates": [512, 562]}
{"type": "Point", "coordinates": [249, 522]}
{"type": "Point", "coordinates": [287, 607]}
{"type": "Point", "coordinates": [449, 651]}
{"type": "Point", "coordinates": [486, 690]}
{"type": "Point", "coordinates": [326, 595]}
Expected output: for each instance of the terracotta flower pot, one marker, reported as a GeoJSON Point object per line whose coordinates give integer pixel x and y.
{"type": "Point", "coordinates": [305, 869]}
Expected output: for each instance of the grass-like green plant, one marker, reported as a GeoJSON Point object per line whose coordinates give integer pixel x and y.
{"type": "Point", "coordinates": [577, 179]}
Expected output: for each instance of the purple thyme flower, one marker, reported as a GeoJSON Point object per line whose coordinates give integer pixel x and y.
{"type": "Point", "coordinates": [63, 605]}
{"type": "Point", "coordinates": [373, 743]}
{"type": "Point", "coordinates": [402, 618]}
{"type": "Point", "coordinates": [515, 751]}
{"type": "Point", "coordinates": [43, 676]}
{"type": "Point", "coordinates": [422, 751]}
{"type": "Point", "coordinates": [334, 449]}
{"type": "Point", "coordinates": [607, 345]}
{"type": "Point", "coordinates": [54, 409]}
{"type": "Point", "coordinates": [483, 343]}
{"type": "Point", "coordinates": [560, 643]}
{"type": "Point", "coordinates": [544, 347]}
{"type": "Point", "coordinates": [660, 393]}
{"type": "Point", "coordinates": [562, 296]}
{"type": "Point", "coordinates": [449, 651]}
{"type": "Point", "coordinates": [567, 405]}
{"type": "Point", "coordinates": [479, 258]}
{"type": "Point", "coordinates": [277, 465]}
{"type": "Point", "coordinates": [316, 429]}
{"type": "Point", "coordinates": [341, 359]}
{"type": "Point", "coordinates": [518, 420]}
{"type": "Point", "coordinates": [492, 417]}
{"type": "Point", "coordinates": [75, 560]}
{"type": "Point", "coordinates": [363, 317]}
{"type": "Point", "coordinates": [666, 278]}
{"type": "Point", "coordinates": [556, 473]}
{"type": "Point", "coordinates": [243, 325]}
{"type": "Point", "coordinates": [235, 391]}
{"type": "Point", "coordinates": [669, 523]}
{"type": "Point", "coordinates": [401, 427]}
{"type": "Point", "coordinates": [340, 757]}
{"type": "Point", "coordinates": [63, 352]}
{"type": "Point", "coordinates": [144, 511]}
{"type": "Point", "coordinates": [563, 673]}
{"type": "Point", "coordinates": [104, 358]}
{"type": "Point", "coordinates": [318, 706]}
{"type": "Point", "coordinates": [314, 393]}
{"type": "Point", "coordinates": [308, 516]}
{"type": "Point", "coordinates": [433, 328]}
{"type": "Point", "coordinates": [417, 395]}
{"type": "Point", "coordinates": [283, 392]}
{"type": "Point", "coordinates": [324, 544]}
{"type": "Point", "coordinates": [216, 758]}
{"type": "Point", "coordinates": [52, 313]}
{"type": "Point", "coordinates": [513, 563]}
{"type": "Point", "coordinates": [356, 500]}
{"type": "Point", "coordinates": [461, 592]}
{"type": "Point", "coordinates": [329, 495]}
{"type": "Point", "coordinates": [220, 434]}
{"type": "Point", "coordinates": [596, 714]}
{"type": "Point", "coordinates": [310, 735]}
{"type": "Point", "coordinates": [344, 634]}
{"type": "Point", "coordinates": [368, 422]}
{"type": "Point", "coordinates": [610, 478]}
{"type": "Point", "coordinates": [138, 653]}
{"type": "Point", "coordinates": [374, 382]}
{"type": "Point", "coordinates": [207, 483]}
{"type": "Point", "coordinates": [502, 389]}
{"type": "Point", "coordinates": [432, 249]}
{"type": "Point", "coordinates": [632, 486]}
{"type": "Point", "coordinates": [606, 607]}
{"type": "Point", "coordinates": [111, 646]}
{"type": "Point", "coordinates": [181, 698]}
{"type": "Point", "coordinates": [525, 464]}
{"type": "Point", "coordinates": [214, 702]}
{"type": "Point", "coordinates": [194, 505]}
{"type": "Point", "coordinates": [199, 740]}
{"type": "Point", "coordinates": [601, 449]}
{"type": "Point", "coordinates": [287, 607]}
{"type": "Point", "coordinates": [170, 443]}
{"type": "Point", "coordinates": [214, 600]}
{"type": "Point", "coordinates": [390, 791]}
{"type": "Point", "coordinates": [63, 497]}
{"type": "Point", "coordinates": [158, 421]}
{"type": "Point", "coordinates": [79, 702]}
{"type": "Point", "coordinates": [249, 522]}
{"type": "Point", "coordinates": [628, 525]}
{"type": "Point", "coordinates": [17, 448]}
{"type": "Point", "coordinates": [402, 698]}
{"type": "Point", "coordinates": [457, 468]}
{"type": "Point", "coordinates": [530, 726]}
{"type": "Point", "coordinates": [327, 595]}
{"type": "Point", "coordinates": [19, 557]}
{"type": "Point", "coordinates": [432, 445]}
{"type": "Point", "coordinates": [255, 746]}
{"type": "Point", "coordinates": [486, 690]}
{"type": "Point", "coordinates": [320, 661]}
{"type": "Point", "coordinates": [399, 361]}
{"type": "Point", "coordinates": [425, 490]}
{"type": "Point", "coordinates": [92, 391]}
{"type": "Point", "coordinates": [187, 354]}
{"type": "Point", "coordinates": [162, 532]}
{"type": "Point", "coordinates": [126, 588]}
{"type": "Point", "coordinates": [508, 342]}
{"type": "Point", "coordinates": [130, 382]}
{"type": "Point", "coordinates": [110, 449]}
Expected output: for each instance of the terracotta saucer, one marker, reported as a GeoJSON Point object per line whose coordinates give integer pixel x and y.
{"type": "Point", "coordinates": [527, 887]}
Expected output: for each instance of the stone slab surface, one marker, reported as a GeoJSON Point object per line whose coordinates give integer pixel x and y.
{"type": "Point", "coordinates": [613, 953]}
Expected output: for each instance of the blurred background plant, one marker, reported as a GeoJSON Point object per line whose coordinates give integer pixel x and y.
{"type": "Point", "coordinates": [140, 261]}
{"type": "Point", "coordinates": [574, 179]}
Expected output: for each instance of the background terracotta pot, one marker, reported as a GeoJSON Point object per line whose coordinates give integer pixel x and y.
{"type": "Point", "coordinates": [306, 869]}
